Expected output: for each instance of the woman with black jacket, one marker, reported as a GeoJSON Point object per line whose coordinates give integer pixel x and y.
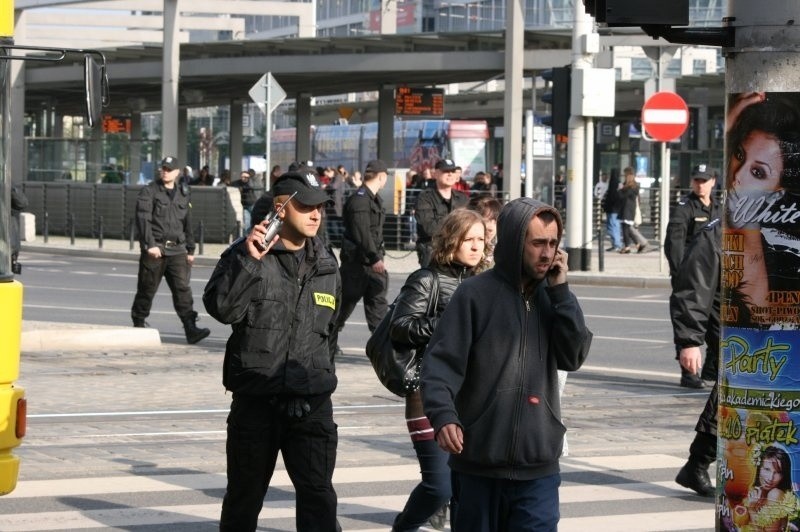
{"type": "Point", "coordinates": [629, 194]}
{"type": "Point", "coordinates": [458, 250]}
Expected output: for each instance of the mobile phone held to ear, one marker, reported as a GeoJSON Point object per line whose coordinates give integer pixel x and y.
{"type": "Point", "coordinates": [275, 224]}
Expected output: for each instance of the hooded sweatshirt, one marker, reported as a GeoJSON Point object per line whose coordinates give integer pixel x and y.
{"type": "Point", "coordinates": [490, 366]}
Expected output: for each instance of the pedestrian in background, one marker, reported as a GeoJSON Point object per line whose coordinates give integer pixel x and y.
{"type": "Point", "coordinates": [458, 249]}
{"type": "Point", "coordinates": [489, 376]}
{"type": "Point", "coordinates": [629, 194]}
{"type": "Point", "coordinates": [612, 204]}
{"type": "Point", "coordinates": [281, 298]}
{"type": "Point", "coordinates": [687, 218]}
{"type": "Point", "coordinates": [433, 204]}
{"type": "Point", "coordinates": [19, 202]}
{"type": "Point", "coordinates": [489, 208]}
{"type": "Point", "coordinates": [248, 197]}
{"type": "Point", "coordinates": [363, 271]}
{"type": "Point", "coordinates": [695, 312]}
{"type": "Point", "coordinates": [164, 223]}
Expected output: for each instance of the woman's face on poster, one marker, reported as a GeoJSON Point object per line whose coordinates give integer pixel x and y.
{"type": "Point", "coordinates": [770, 474]}
{"type": "Point", "coordinates": [757, 163]}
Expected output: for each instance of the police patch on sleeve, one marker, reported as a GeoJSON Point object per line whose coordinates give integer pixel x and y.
{"type": "Point", "coordinates": [325, 300]}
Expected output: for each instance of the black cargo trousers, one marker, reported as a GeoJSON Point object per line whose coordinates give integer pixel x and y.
{"type": "Point", "coordinates": [258, 429]}
{"type": "Point", "coordinates": [177, 272]}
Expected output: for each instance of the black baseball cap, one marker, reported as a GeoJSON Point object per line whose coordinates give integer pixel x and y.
{"type": "Point", "coordinates": [170, 163]}
{"type": "Point", "coordinates": [445, 165]}
{"type": "Point", "coordinates": [376, 166]}
{"type": "Point", "coordinates": [702, 171]}
{"type": "Point", "coordinates": [309, 192]}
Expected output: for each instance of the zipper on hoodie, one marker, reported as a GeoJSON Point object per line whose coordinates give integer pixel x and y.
{"type": "Point", "coordinates": [521, 394]}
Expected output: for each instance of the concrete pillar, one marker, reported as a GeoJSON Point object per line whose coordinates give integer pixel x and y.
{"type": "Point", "coordinates": [388, 17]}
{"type": "Point", "coordinates": [386, 125]}
{"type": "Point", "coordinates": [94, 157]}
{"type": "Point", "coordinates": [16, 140]}
{"type": "Point", "coordinates": [759, 373]}
{"type": "Point", "coordinates": [513, 106]}
{"type": "Point", "coordinates": [579, 168]}
{"type": "Point", "coordinates": [236, 140]}
{"type": "Point", "coordinates": [135, 148]}
{"type": "Point", "coordinates": [183, 137]}
{"type": "Point", "coordinates": [303, 121]}
{"type": "Point", "coordinates": [169, 79]}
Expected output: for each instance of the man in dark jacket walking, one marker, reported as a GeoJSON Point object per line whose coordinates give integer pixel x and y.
{"type": "Point", "coordinates": [688, 217]}
{"type": "Point", "coordinates": [281, 298]}
{"type": "Point", "coordinates": [433, 204]}
{"type": "Point", "coordinates": [164, 223]}
{"type": "Point", "coordinates": [363, 271]}
{"type": "Point", "coordinates": [491, 389]}
{"type": "Point", "coordinates": [695, 311]}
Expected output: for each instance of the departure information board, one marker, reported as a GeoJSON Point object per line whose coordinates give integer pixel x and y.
{"type": "Point", "coordinates": [116, 124]}
{"type": "Point", "coordinates": [411, 101]}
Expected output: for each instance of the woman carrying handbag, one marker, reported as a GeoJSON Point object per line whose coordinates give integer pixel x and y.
{"type": "Point", "coordinates": [458, 250]}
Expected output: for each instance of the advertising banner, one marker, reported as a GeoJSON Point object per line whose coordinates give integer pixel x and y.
{"type": "Point", "coordinates": [758, 458]}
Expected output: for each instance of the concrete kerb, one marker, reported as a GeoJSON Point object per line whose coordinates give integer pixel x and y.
{"type": "Point", "coordinates": [40, 336]}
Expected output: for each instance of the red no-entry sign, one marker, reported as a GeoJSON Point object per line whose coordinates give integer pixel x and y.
{"type": "Point", "coordinates": [665, 116]}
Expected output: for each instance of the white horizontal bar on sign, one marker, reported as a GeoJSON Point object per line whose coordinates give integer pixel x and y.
{"type": "Point", "coordinates": [665, 116]}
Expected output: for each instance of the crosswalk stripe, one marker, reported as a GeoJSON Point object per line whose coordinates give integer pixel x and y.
{"type": "Point", "coordinates": [644, 522]}
{"type": "Point", "coordinates": [200, 481]}
{"type": "Point", "coordinates": [636, 462]}
{"type": "Point", "coordinates": [341, 475]}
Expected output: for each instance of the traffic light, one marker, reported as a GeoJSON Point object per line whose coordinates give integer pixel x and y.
{"type": "Point", "coordinates": [558, 97]}
{"type": "Point", "coordinates": [639, 12]}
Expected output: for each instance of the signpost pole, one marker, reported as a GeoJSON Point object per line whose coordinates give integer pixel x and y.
{"type": "Point", "coordinates": [663, 215]}
{"type": "Point", "coordinates": [268, 95]}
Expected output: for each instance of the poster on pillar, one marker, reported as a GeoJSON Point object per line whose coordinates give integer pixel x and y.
{"type": "Point", "coordinates": [758, 446]}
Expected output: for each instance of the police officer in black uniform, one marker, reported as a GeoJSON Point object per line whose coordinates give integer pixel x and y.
{"type": "Point", "coordinates": [281, 298]}
{"type": "Point", "coordinates": [433, 204]}
{"type": "Point", "coordinates": [689, 216]}
{"type": "Point", "coordinates": [695, 311]}
{"type": "Point", "coordinates": [363, 270]}
{"type": "Point", "coordinates": [164, 222]}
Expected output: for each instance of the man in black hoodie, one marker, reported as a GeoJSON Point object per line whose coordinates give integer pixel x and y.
{"type": "Point", "coordinates": [490, 390]}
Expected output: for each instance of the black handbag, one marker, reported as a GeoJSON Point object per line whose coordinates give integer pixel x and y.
{"type": "Point", "coordinates": [397, 365]}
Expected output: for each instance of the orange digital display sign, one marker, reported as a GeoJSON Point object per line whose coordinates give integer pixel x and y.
{"type": "Point", "coordinates": [411, 101]}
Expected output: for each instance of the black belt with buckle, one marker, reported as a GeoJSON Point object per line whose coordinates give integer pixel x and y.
{"type": "Point", "coordinates": [170, 244]}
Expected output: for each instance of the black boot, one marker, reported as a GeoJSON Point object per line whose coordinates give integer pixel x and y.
{"type": "Point", "coordinates": [193, 333]}
{"type": "Point", "coordinates": [691, 380]}
{"type": "Point", "coordinates": [694, 475]}
{"type": "Point", "coordinates": [139, 322]}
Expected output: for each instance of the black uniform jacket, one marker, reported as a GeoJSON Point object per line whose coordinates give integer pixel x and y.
{"type": "Point", "coordinates": [688, 217]}
{"type": "Point", "coordinates": [431, 208]}
{"type": "Point", "coordinates": [363, 227]}
{"type": "Point", "coordinates": [694, 305]}
{"type": "Point", "coordinates": [164, 221]}
{"type": "Point", "coordinates": [282, 313]}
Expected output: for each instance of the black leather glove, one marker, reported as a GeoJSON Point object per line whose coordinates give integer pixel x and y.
{"type": "Point", "coordinates": [297, 407]}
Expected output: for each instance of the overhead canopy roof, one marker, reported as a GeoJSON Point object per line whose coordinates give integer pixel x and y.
{"type": "Point", "coordinates": [224, 71]}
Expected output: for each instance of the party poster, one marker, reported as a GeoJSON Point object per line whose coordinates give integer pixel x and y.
{"type": "Point", "coordinates": [758, 458]}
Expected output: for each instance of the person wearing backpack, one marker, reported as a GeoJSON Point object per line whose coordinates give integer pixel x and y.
{"type": "Point", "coordinates": [458, 250]}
